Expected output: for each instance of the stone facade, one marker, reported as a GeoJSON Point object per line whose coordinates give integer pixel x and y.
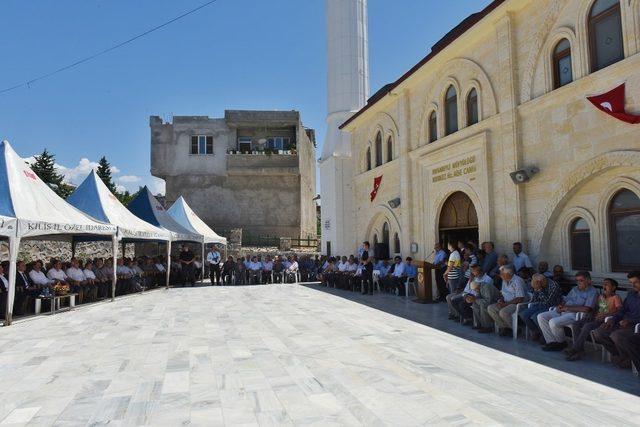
{"type": "Point", "coordinates": [45, 250]}
{"type": "Point", "coordinates": [244, 182]}
{"type": "Point", "coordinates": [583, 155]}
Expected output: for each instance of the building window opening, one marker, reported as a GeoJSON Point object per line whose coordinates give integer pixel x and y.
{"type": "Point", "coordinates": [201, 145]}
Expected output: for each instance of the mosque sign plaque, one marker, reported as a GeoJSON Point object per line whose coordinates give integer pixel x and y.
{"type": "Point", "coordinates": [456, 169]}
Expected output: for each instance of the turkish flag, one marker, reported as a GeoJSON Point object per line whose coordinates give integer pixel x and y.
{"type": "Point", "coordinates": [612, 103]}
{"type": "Point", "coordinates": [376, 185]}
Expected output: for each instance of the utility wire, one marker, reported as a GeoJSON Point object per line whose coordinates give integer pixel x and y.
{"type": "Point", "coordinates": [102, 52]}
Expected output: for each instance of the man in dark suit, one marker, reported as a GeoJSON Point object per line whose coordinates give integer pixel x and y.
{"type": "Point", "coordinates": [24, 289]}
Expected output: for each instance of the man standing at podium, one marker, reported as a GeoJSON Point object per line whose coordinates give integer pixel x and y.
{"type": "Point", "coordinates": [440, 261]}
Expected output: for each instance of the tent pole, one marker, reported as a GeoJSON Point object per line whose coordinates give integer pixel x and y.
{"type": "Point", "coordinates": [168, 263]}
{"type": "Point", "coordinates": [202, 266]}
{"type": "Point", "coordinates": [14, 245]}
{"type": "Point", "coordinates": [114, 278]}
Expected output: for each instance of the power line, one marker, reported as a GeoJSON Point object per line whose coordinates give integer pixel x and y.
{"type": "Point", "coordinates": [102, 52]}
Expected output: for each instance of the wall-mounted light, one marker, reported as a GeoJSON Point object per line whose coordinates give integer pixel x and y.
{"type": "Point", "coordinates": [394, 203]}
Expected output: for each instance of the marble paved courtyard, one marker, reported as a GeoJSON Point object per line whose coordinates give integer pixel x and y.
{"type": "Point", "coordinates": [285, 355]}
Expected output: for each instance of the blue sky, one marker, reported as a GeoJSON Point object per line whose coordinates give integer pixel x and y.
{"type": "Point", "coordinates": [234, 54]}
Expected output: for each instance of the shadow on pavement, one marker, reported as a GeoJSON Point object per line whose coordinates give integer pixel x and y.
{"type": "Point", "coordinates": [435, 316]}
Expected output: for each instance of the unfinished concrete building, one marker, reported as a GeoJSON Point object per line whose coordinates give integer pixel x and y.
{"type": "Point", "coordinates": [253, 170]}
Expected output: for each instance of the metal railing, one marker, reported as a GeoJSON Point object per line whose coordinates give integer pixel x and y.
{"type": "Point", "coordinates": [304, 243]}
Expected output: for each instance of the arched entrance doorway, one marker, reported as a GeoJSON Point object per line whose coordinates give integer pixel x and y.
{"type": "Point", "coordinates": [458, 219]}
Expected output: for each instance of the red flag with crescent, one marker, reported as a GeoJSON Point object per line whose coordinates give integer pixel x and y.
{"type": "Point", "coordinates": [376, 185]}
{"type": "Point", "coordinates": [612, 103]}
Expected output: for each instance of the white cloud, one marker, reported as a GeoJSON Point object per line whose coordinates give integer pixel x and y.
{"type": "Point", "coordinates": [76, 174]}
{"type": "Point", "coordinates": [79, 172]}
{"type": "Point", "coordinates": [156, 185]}
{"type": "Point", "coordinates": [128, 178]}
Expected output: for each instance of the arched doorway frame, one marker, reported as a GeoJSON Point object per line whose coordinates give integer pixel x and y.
{"type": "Point", "coordinates": [381, 214]}
{"type": "Point", "coordinates": [484, 225]}
{"type": "Point", "coordinates": [450, 206]}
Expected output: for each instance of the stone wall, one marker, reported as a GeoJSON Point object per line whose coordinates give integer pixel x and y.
{"type": "Point", "coordinates": [584, 156]}
{"type": "Point", "coordinates": [264, 194]}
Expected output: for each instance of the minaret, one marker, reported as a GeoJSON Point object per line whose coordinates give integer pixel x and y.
{"type": "Point", "coordinates": [347, 92]}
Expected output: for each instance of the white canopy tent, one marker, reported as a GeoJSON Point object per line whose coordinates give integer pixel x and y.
{"type": "Point", "coordinates": [185, 216]}
{"type": "Point", "coordinates": [146, 207]}
{"type": "Point", "coordinates": [30, 209]}
{"type": "Point", "coordinates": [95, 199]}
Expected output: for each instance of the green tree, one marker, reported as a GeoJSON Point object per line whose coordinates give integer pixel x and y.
{"type": "Point", "coordinates": [104, 172]}
{"type": "Point", "coordinates": [127, 197]}
{"type": "Point", "coordinates": [44, 167]}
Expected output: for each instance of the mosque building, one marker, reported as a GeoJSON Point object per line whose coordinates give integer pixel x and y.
{"type": "Point", "coordinates": [521, 124]}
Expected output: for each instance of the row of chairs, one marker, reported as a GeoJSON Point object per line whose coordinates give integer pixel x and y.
{"type": "Point", "coordinates": [574, 329]}
{"type": "Point", "coordinates": [283, 277]}
{"type": "Point", "coordinates": [410, 282]}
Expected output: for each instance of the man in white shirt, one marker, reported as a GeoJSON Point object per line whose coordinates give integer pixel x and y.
{"type": "Point", "coordinates": [104, 277]}
{"type": "Point", "coordinates": [38, 277]}
{"type": "Point", "coordinates": [125, 278]}
{"type": "Point", "coordinates": [440, 261]}
{"type": "Point", "coordinates": [214, 259]}
{"type": "Point", "coordinates": [292, 270]}
{"type": "Point", "coordinates": [91, 286]}
{"type": "Point", "coordinates": [520, 259]}
{"type": "Point", "coordinates": [267, 269]}
{"type": "Point", "coordinates": [388, 280]}
{"type": "Point", "coordinates": [255, 270]}
{"type": "Point", "coordinates": [350, 272]}
{"type": "Point", "coordinates": [341, 279]}
{"type": "Point", "coordinates": [76, 279]}
{"type": "Point", "coordinates": [56, 274]}
{"type": "Point", "coordinates": [88, 271]}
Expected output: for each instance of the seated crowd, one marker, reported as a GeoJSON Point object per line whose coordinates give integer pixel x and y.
{"type": "Point", "coordinates": [256, 269]}
{"type": "Point", "coordinates": [499, 293]}
{"type": "Point", "coordinates": [91, 279]}
{"type": "Point", "coordinates": [488, 292]}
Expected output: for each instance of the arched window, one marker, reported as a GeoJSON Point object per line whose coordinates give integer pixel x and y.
{"type": "Point", "coordinates": [451, 111]}
{"type": "Point", "coordinates": [389, 149]}
{"type": "Point", "coordinates": [433, 126]}
{"type": "Point", "coordinates": [562, 73]}
{"type": "Point", "coordinates": [385, 233]}
{"type": "Point", "coordinates": [472, 107]}
{"type": "Point", "coordinates": [605, 34]}
{"type": "Point", "coordinates": [368, 159]}
{"type": "Point", "coordinates": [396, 243]}
{"type": "Point", "coordinates": [624, 226]}
{"type": "Point", "coordinates": [378, 147]}
{"type": "Point", "coordinates": [580, 245]}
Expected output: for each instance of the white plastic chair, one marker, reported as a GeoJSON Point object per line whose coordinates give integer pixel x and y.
{"type": "Point", "coordinates": [410, 281]}
{"type": "Point", "coordinates": [285, 273]}
{"type": "Point", "coordinates": [376, 279]}
{"type": "Point", "coordinates": [515, 318]}
{"type": "Point", "coordinates": [573, 326]}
